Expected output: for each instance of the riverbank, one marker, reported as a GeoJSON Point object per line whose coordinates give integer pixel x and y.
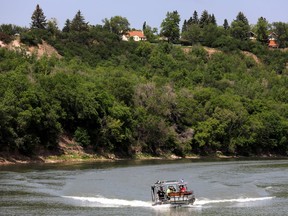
{"type": "Point", "coordinates": [6, 159]}
{"type": "Point", "coordinates": [9, 159]}
{"type": "Point", "coordinates": [70, 151]}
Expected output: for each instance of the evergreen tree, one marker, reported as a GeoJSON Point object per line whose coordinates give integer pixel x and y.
{"type": "Point", "coordinates": [204, 19]}
{"type": "Point", "coordinates": [226, 24]}
{"type": "Point", "coordinates": [170, 26]}
{"type": "Point", "coordinates": [144, 26]}
{"type": "Point", "coordinates": [52, 26]}
{"type": "Point", "coordinates": [78, 23]}
{"type": "Point", "coordinates": [242, 18]}
{"type": "Point", "coordinates": [195, 19]}
{"type": "Point", "coordinates": [190, 21]}
{"type": "Point", "coordinates": [67, 26]}
{"type": "Point", "coordinates": [184, 27]}
{"type": "Point", "coordinates": [212, 19]}
{"type": "Point", "coordinates": [240, 27]}
{"type": "Point", "coordinates": [38, 19]}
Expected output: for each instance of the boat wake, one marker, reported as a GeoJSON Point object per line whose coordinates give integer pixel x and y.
{"type": "Point", "coordinates": [106, 202]}
{"type": "Point", "coordinates": [116, 203]}
{"type": "Point", "coordinates": [203, 202]}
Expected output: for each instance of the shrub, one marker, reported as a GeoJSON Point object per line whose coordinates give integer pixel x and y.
{"type": "Point", "coordinates": [82, 137]}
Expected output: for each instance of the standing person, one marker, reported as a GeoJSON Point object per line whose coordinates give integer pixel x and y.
{"type": "Point", "coordinates": [161, 194]}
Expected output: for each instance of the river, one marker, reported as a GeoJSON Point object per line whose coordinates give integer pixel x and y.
{"type": "Point", "coordinates": [250, 187]}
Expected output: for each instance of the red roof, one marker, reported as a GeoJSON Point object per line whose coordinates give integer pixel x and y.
{"type": "Point", "coordinates": [136, 33]}
{"type": "Point", "coordinates": [272, 43]}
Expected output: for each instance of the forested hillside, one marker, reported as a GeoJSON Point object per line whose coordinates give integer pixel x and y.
{"type": "Point", "coordinates": [132, 97]}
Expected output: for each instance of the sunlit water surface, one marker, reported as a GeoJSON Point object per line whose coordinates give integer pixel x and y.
{"type": "Point", "coordinates": [123, 188]}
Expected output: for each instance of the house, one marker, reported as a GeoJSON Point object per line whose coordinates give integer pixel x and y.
{"type": "Point", "coordinates": [134, 35]}
{"type": "Point", "coordinates": [272, 40]}
{"type": "Point", "coordinates": [252, 36]}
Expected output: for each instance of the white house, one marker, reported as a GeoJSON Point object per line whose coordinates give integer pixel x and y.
{"type": "Point", "coordinates": [135, 35]}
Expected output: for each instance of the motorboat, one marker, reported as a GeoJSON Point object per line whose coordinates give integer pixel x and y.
{"type": "Point", "coordinates": [172, 192]}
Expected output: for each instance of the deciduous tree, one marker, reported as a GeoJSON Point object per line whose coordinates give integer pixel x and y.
{"type": "Point", "coordinates": [281, 29]}
{"type": "Point", "coordinates": [193, 34]}
{"type": "Point", "coordinates": [118, 25]}
{"type": "Point", "coordinates": [262, 29]}
{"type": "Point", "coordinates": [170, 27]}
{"type": "Point", "coordinates": [149, 32]}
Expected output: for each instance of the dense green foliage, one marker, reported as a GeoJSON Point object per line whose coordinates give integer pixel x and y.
{"type": "Point", "coordinates": [130, 98]}
{"type": "Point", "coordinates": [170, 27]}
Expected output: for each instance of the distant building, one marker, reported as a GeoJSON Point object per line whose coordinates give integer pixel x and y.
{"type": "Point", "coordinates": [134, 35]}
{"type": "Point", "coordinates": [252, 36]}
{"type": "Point", "coordinates": [272, 40]}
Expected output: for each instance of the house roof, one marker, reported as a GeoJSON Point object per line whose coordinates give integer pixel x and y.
{"type": "Point", "coordinates": [136, 33]}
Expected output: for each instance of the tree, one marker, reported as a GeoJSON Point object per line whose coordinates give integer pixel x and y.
{"type": "Point", "coordinates": [262, 29]}
{"type": "Point", "coordinates": [281, 29]}
{"type": "Point", "coordinates": [38, 19]}
{"type": "Point", "coordinates": [193, 34]}
{"type": "Point", "coordinates": [240, 27]}
{"type": "Point", "coordinates": [11, 30]}
{"type": "Point", "coordinates": [170, 27]}
{"type": "Point", "coordinates": [242, 18]}
{"type": "Point", "coordinates": [67, 26]}
{"type": "Point", "coordinates": [204, 19]}
{"type": "Point", "coordinates": [52, 26]}
{"type": "Point", "coordinates": [226, 24]}
{"type": "Point", "coordinates": [210, 34]}
{"type": "Point", "coordinates": [212, 19]}
{"type": "Point", "coordinates": [184, 26]}
{"type": "Point", "coordinates": [118, 25]}
{"type": "Point", "coordinates": [195, 19]}
{"type": "Point", "coordinates": [149, 33]}
{"type": "Point", "coordinates": [78, 23]}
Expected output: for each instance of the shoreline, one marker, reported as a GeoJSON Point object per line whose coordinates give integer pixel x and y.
{"type": "Point", "coordinates": [54, 159]}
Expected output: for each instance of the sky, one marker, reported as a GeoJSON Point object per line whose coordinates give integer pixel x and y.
{"type": "Point", "coordinates": [19, 12]}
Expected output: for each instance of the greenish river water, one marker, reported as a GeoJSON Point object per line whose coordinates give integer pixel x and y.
{"type": "Point", "coordinates": [254, 187]}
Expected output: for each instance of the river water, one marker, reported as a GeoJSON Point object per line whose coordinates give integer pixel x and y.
{"type": "Point", "coordinates": [254, 187]}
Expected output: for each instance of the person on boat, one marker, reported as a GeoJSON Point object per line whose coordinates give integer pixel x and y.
{"type": "Point", "coordinates": [173, 189]}
{"type": "Point", "coordinates": [168, 190]}
{"type": "Point", "coordinates": [182, 189]}
{"type": "Point", "coordinates": [161, 194]}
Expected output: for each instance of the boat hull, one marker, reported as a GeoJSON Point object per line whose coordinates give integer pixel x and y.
{"type": "Point", "coordinates": [176, 201]}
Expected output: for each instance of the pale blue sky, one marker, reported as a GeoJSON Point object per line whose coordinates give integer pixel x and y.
{"type": "Point", "coordinates": [152, 11]}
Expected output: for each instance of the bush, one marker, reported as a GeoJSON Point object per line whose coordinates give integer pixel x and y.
{"type": "Point", "coordinates": [34, 37]}
{"type": "Point", "coordinates": [5, 38]}
{"type": "Point", "coordinates": [82, 137]}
